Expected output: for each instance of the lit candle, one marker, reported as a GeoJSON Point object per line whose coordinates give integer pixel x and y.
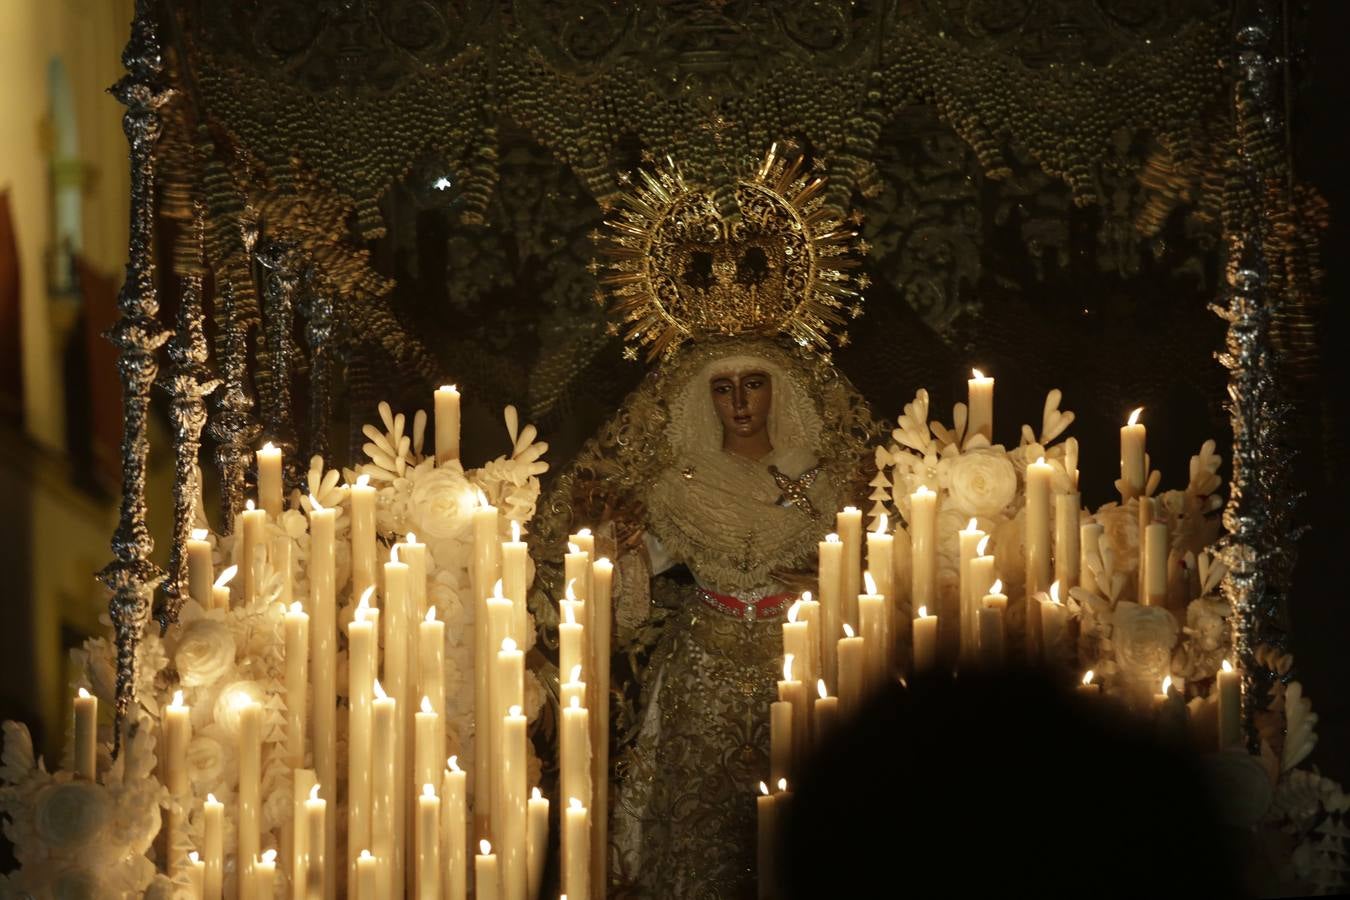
{"type": "Point", "coordinates": [363, 534]}
{"type": "Point", "coordinates": [250, 780]}
{"type": "Point", "coordinates": [426, 753]}
{"type": "Point", "coordinates": [362, 661]}
{"type": "Point", "coordinates": [848, 524]}
{"type": "Point", "coordinates": [1067, 535]}
{"type": "Point", "coordinates": [571, 637]}
{"type": "Point", "coordinates": [265, 875]}
{"type": "Point", "coordinates": [454, 829]}
{"type": "Point", "coordinates": [431, 670]}
{"type": "Point", "coordinates": [795, 642]}
{"type": "Point", "coordinates": [792, 690]}
{"type": "Point", "coordinates": [251, 552]}
{"type": "Point", "coordinates": [428, 844]}
{"type": "Point", "coordinates": [269, 479]}
{"type": "Point", "coordinates": [925, 641]}
{"type": "Point", "coordinates": [1089, 546]}
{"type": "Point", "coordinates": [486, 884]}
{"type": "Point", "coordinates": [1053, 619]}
{"type": "Point", "coordinates": [1155, 556]}
{"type": "Point", "coordinates": [513, 805]}
{"type": "Point", "coordinates": [825, 713]}
{"type": "Point", "coordinates": [396, 621]}
{"type": "Point", "coordinates": [196, 872]}
{"type": "Point", "coordinates": [577, 572]}
{"type": "Point", "coordinates": [1037, 538]}
{"type": "Point", "coordinates": [447, 424]}
{"type": "Point", "coordinates": [993, 638]}
{"type": "Point", "coordinates": [1229, 683]}
{"type": "Point", "coordinates": [574, 751]}
{"type": "Point", "coordinates": [981, 576]}
{"type": "Point", "coordinates": [980, 405]}
{"type": "Point", "coordinates": [367, 871]}
{"type": "Point", "coordinates": [1133, 467]}
{"type": "Point", "coordinates": [323, 660]}
{"type": "Point", "coordinates": [317, 882]}
{"type": "Point", "coordinates": [923, 547]}
{"type": "Point", "coordinates": [177, 728]}
{"type": "Point", "coordinates": [1086, 688]}
{"type": "Point", "coordinates": [851, 662]}
{"type": "Point", "coordinates": [881, 563]}
{"type": "Point", "coordinates": [303, 781]}
{"type": "Point", "coordinates": [200, 570]}
{"type": "Point", "coordinates": [583, 542]}
{"type": "Point", "coordinates": [808, 613]}
{"type": "Point", "coordinates": [507, 691]}
{"type": "Point", "coordinates": [297, 683]}
{"type": "Point", "coordinates": [572, 687]}
{"type": "Point", "coordinates": [383, 788]}
{"type": "Point", "coordinates": [515, 581]}
{"type": "Point", "coordinates": [414, 553]}
{"type": "Point", "coordinates": [536, 841]}
{"type": "Point", "coordinates": [220, 591]}
{"type": "Point", "coordinates": [213, 847]}
{"type": "Point", "coordinates": [499, 686]}
{"type": "Point", "coordinates": [600, 616]}
{"type": "Point", "coordinates": [86, 736]}
{"type": "Point", "coordinates": [767, 832]}
{"type": "Point", "coordinates": [872, 627]}
{"type": "Point", "coordinates": [1148, 509]}
{"type": "Point", "coordinates": [970, 541]}
{"type": "Point", "coordinates": [576, 849]}
{"type": "Point", "coordinates": [483, 574]}
{"type": "Point", "coordinates": [831, 612]}
{"type": "Point", "coordinates": [780, 738]}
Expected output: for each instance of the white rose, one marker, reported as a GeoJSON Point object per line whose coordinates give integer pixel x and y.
{"type": "Point", "coordinates": [72, 815]}
{"type": "Point", "coordinates": [440, 504]}
{"type": "Point", "coordinates": [979, 482]}
{"type": "Point", "coordinates": [1120, 530]}
{"type": "Point", "coordinates": [231, 699]}
{"type": "Point", "coordinates": [1143, 637]}
{"type": "Point", "coordinates": [208, 760]}
{"type": "Point", "coordinates": [205, 653]}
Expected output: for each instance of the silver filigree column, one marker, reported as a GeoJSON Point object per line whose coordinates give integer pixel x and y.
{"type": "Point", "coordinates": [317, 305]}
{"type": "Point", "coordinates": [192, 380]}
{"type": "Point", "coordinates": [273, 374]}
{"type": "Point", "coordinates": [137, 335]}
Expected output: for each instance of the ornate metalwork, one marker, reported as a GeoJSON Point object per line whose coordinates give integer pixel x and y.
{"type": "Point", "coordinates": [192, 380]}
{"type": "Point", "coordinates": [318, 308]}
{"type": "Point", "coordinates": [273, 375]}
{"type": "Point", "coordinates": [137, 335]}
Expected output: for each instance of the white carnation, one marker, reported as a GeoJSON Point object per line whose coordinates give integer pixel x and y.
{"type": "Point", "coordinates": [980, 482]}
{"type": "Point", "coordinates": [205, 653]}
{"type": "Point", "coordinates": [440, 503]}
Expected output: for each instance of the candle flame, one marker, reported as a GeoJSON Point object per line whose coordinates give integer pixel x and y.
{"type": "Point", "coordinates": [482, 498]}
{"type": "Point", "coordinates": [782, 784]}
{"type": "Point", "coordinates": [366, 854]}
{"type": "Point", "coordinates": [574, 803]}
{"type": "Point", "coordinates": [1087, 677]}
{"type": "Point", "coordinates": [982, 546]}
{"type": "Point", "coordinates": [883, 524]}
{"type": "Point", "coordinates": [787, 666]}
{"type": "Point", "coordinates": [226, 576]}
{"type": "Point", "coordinates": [1227, 666]}
{"type": "Point", "coordinates": [379, 691]}
{"type": "Point", "coordinates": [508, 645]}
{"type": "Point", "coordinates": [1040, 460]}
{"type": "Point", "coordinates": [211, 798]}
{"type": "Point", "coordinates": [1054, 591]}
{"type": "Point", "coordinates": [848, 630]}
{"type": "Point", "coordinates": [976, 373]}
{"type": "Point", "coordinates": [515, 530]}
{"type": "Point", "coordinates": [314, 792]}
{"type": "Point", "coordinates": [576, 703]}
{"type": "Point", "coordinates": [449, 387]}
{"type": "Point", "coordinates": [297, 607]}
{"type": "Point", "coordinates": [573, 548]}
{"type": "Point", "coordinates": [535, 795]}
{"type": "Point", "coordinates": [570, 593]}
{"type": "Point", "coordinates": [428, 791]}
{"type": "Point", "coordinates": [84, 695]}
{"type": "Point", "coordinates": [1167, 685]}
{"type": "Point", "coordinates": [831, 538]}
{"type": "Point", "coordinates": [241, 699]}
{"type": "Point", "coordinates": [364, 605]}
{"type": "Point", "coordinates": [177, 700]}
{"type": "Point", "coordinates": [249, 506]}
{"type": "Point", "coordinates": [410, 538]}
{"type": "Point", "coordinates": [194, 857]}
{"type": "Point", "coordinates": [568, 609]}
{"type": "Point", "coordinates": [925, 491]}
{"type": "Point", "coordinates": [453, 764]}
{"type": "Point", "coordinates": [1134, 417]}
{"type": "Point", "coordinates": [430, 617]}
{"type": "Point", "coordinates": [497, 590]}
{"type": "Point", "coordinates": [269, 856]}
{"type": "Point", "coordinates": [997, 586]}
{"type": "Point", "coordinates": [764, 789]}
{"type": "Point", "coordinates": [792, 611]}
{"type": "Point", "coordinates": [806, 597]}
{"type": "Point", "coordinates": [514, 710]}
{"type": "Point", "coordinates": [602, 562]}
{"type": "Point", "coordinates": [972, 525]}
{"type": "Point", "coordinates": [426, 704]}
{"type": "Point", "coordinates": [485, 847]}
{"type": "Point", "coordinates": [315, 504]}
{"type": "Point", "coordinates": [870, 582]}
{"type": "Point", "coordinates": [821, 691]}
{"type": "Point", "coordinates": [362, 480]}
{"type": "Point", "coordinates": [393, 555]}
{"type": "Point", "coordinates": [923, 612]}
{"type": "Point", "coordinates": [583, 532]}
{"type": "Point", "coordinates": [269, 447]}
{"type": "Point", "coordinates": [575, 673]}
{"type": "Point", "coordinates": [200, 534]}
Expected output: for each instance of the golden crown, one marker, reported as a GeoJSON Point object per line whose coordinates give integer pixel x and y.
{"type": "Point", "coordinates": [678, 268]}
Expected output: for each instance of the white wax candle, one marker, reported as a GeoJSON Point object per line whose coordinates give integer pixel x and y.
{"type": "Point", "coordinates": [213, 847]}
{"type": "Point", "coordinates": [583, 542]}
{"type": "Point", "coordinates": [363, 497]}
{"type": "Point", "coordinates": [1148, 514]}
{"type": "Point", "coordinates": [396, 621]}
{"type": "Point", "coordinates": [573, 687]}
{"type": "Point", "coordinates": [367, 872]}
{"type": "Point", "coordinates": [925, 641]}
{"type": "Point", "coordinates": [536, 839]}
{"type": "Point", "coordinates": [571, 638]}
{"type": "Point", "coordinates": [250, 780]}
{"type": "Point", "coordinates": [317, 881]}
{"type": "Point", "coordinates": [872, 628]}
{"type": "Point", "coordinates": [848, 525]}
{"type": "Point", "coordinates": [499, 687]}
{"type": "Point", "coordinates": [196, 874]}
{"type": "Point", "coordinates": [220, 591]}
{"type": "Point", "coordinates": [486, 880]}
{"type": "Point", "coordinates": [383, 788]}
{"type": "Point", "coordinates": [780, 738]}
{"type": "Point", "coordinates": [86, 736]}
{"type": "Point", "coordinates": [454, 830]}
{"type": "Point", "coordinates": [447, 424]}
{"type": "Point", "coordinates": [414, 554]}
{"type": "Point", "coordinates": [251, 551]}
{"type": "Point", "coordinates": [362, 664]}
{"type": "Point", "coordinates": [1053, 620]}
{"type": "Point", "coordinates": [825, 712]}
{"type": "Point", "coordinates": [969, 539]}
{"type": "Point", "coordinates": [303, 782]}
{"type": "Point", "coordinates": [297, 683]}
{"type": "Point", "coordinates": [851, 652]}
{"type": "Point", "coordinates": [796, 643]}
{"type": "Point", "coordinates": [881, 563]}
{"type": "Point", "coordinates": [1037, 538]}
{"type": "Point", "coordinates": [431, 676]}
{"type": "Point", "coordinates": [1133, 474]}
{"type": "Point", "coordinates": [574, 751]}
{"type": "Point", "coordinates": [265, 875]}
{"type": "Point", "coordinates": [200, 569]}
{"type": "Point", "coordinates": [831, 609]}
{"type": "Point", "coordinates": [483, 575]}
{"type": "Point", "coordinates": [428, 844]}
{"type": "Point", "coordinates": [514, 781]}
{"type": "Point", "coordinates": [515, 581]}
{"type": "Point", "coordinates": [993, 638]}
{"type": "Point", "coordinates": [808, 612]}
{"type": "Point", "coordinates": [600, 616]}
{"type": "Point", "coordinates": [177, 733]}
{"type": "Point", "coordinates": [576, 849]}
{"type": "Point", "coordinates": [323, 661]}
{"type": "Point", "coordinates": [766, 839]}
{"type": "Point", "coordinates": [792, 690]}
{"type": "Point", "coordinates": [1229, 685]}
{"type": "Point", "coordinates": [269, 480]}
{"type": "Point", "coordinates": [923, 548]}
{"type": "Point", "coordinates": [980, 405]}
{"type": "Point", "coordinates": [1067, 535]}
{"type": "Point", "coordinates": [1155, 555]}
{"type": "Point", "coordinates": [426, 753]}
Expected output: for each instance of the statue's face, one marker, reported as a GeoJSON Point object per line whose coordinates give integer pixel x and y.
{"type": "Point", "coordinates": [742, 401]}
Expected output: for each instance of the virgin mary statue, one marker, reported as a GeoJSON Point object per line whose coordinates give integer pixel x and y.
{"type": "Point", "coordinates": [712, 486]}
